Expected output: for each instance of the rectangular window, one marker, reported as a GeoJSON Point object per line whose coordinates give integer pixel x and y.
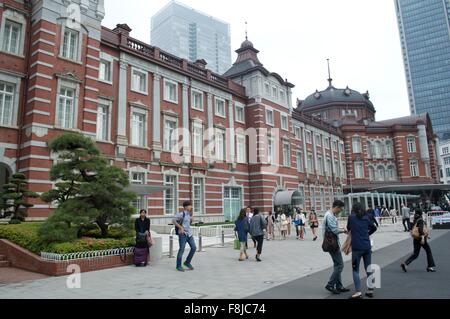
{"type": "Point", "coordinates": [220, 107]}
{"type": "Point", "coordinates": [274, 92]}
{"type": "Point", "coordinates": [447, 160]}
{"type": "Point", "coordinates": [138, 129]}
{"type": "Point", "coordinates": [284, 122]}
{"type": "Point", "coordinates": [197, 139]}
{"type": "Point", "coordinates": [267, 88]}
{"type": "Point", "coordinates": [269, 117]}
{"type": "Point", "coordinates": [198, 195]}
{"type": "Point", "coordinates": [359, 170]}
{"type": "Point", "coordinates": [6, 103]}
{"type": "Point", "coordinates": [170, 91]}
{"type": "Point", "coordinates": [232, 202]}
{"type": "Point", "coordinates": [170, 136]}
{"type": "Point", "coordinates": [341, 148]}
{"type": "Point", "coordinates": [138, 204]}
{"type": "Point", "coordinates": [66, 108]}
{"type": "Point", "coordinates": [308, 137]}
{"type": "Point", "coordinates": [11, 37]}
{"type": "Point", "coordinates": [411, 144]}
{"type": "Point", "coordinates": [310, 162]}
{"type": "Point", "coordinates": [282, 96]}
{"type": "Point", "coordinates": [334, 145]}
{"type": "Point", "coordinates": [240, 148]}
{"type": "Point", "coordinates": [137, 178]}
{"type": "Point", "coordinates": [220, 144]}
{"type": "Point", "coordinates": [104, 73]}
{"type": "Point", "coordinates": [343, 170]}
{"type": "Point", "coordinates": [445, 150]}
{"type": "Point", "coordinates": [286, 154]}
{"type": "Point", "coordinates": [103, 121]}
{"type": "Point", "coordinates": [270, 150]}
{"type": "Point", "coordinates": [318, 140]}
{"type": "Point", "coordinates": [139, 81]}
{"type": "Point", "coordinates": [240, 114]}
{"type": "Point", "coordinates": [299, 162]}
{"type": "Point", "coordinates": [337, 169]}
{"type": "Point", "coordinates": [70, 44]}
{"type": "Point", "coordinates": [327, 142]}
{"type": "Point", "coordinates": [197, 100]}
{"type": "Point", "coordinates": [447, 171]}
{"type": "Point", "coordinates": [356, 144]}
{"type": "Point", "coordinates": [319, 165]}
{"type": "Point", "coordinates": [297, 132]}
{"type": "Point", "coordinates": [414, 168]}
{"type": "Point", "coordinates": [328, 166]}
{"type": "Point", "coordinates": [170, 200]}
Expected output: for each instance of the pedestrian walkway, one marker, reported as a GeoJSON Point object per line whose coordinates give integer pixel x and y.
{"type": "Point", "coordinates": [218, 274]}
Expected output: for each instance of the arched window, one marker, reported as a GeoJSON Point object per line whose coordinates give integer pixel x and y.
{"type": "Point", "coordinates": [391, 175]}
{"type": "Point", "coordinates": [371, 173]}
{"type": "Point", "coordinates": [380, 173]}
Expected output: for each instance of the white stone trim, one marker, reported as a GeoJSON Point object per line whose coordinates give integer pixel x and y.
{"type": "Point", "coordinates": [38, 99]}
{"type": "Point", "coordinates": [16, 81]}
{"type": "Point", "coordinates": [43, 41]}
{"type": "Point", "coordinates": [45, 31]}
{"type": "Point", "coordinates": [43, 52]}
{"type": "Point", "coordinates": [37, 112]}
{"type": "Point", "coordinates": [45, 76]}
{"type": "Point", "coordinates": [165, 97]}
{"type": "Point", "coordinates": [42, 63]}
{"type": "Point", "coordinates": [34, 169]}
{"type": "Point", "coordinates": [91, 77]}
{"type": "Point", "coordinates": [39, 87]}
{"type": "Point", "coordinates": [15, 17]}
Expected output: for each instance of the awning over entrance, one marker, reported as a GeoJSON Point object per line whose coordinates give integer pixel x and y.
{"type": "Point", "coordinates": [147, 189]}
{"type": "Point", "coordinates": [412, 187]}
{"type": "Point", "coordinates": [287, 198]}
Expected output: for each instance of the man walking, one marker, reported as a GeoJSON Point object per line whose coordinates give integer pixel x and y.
{"type": "Point", "coordinates": [182, 222]}
{"type": "Point", "coordinates": [330, 223]}
{"type": "Point", "coordinates": [405, 217]}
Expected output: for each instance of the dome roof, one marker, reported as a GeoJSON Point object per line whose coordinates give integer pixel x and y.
{"type": "Point", "coordinates": [334, 95]}
{"type": "Point", "coordinates": [246, 44]}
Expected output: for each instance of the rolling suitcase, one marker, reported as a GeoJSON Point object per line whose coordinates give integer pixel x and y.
{"type": "Point", "coordinates": [140, 257]}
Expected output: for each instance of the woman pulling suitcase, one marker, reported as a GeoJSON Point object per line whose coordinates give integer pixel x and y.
{"type": "Point", "coordinates": [143, 239]}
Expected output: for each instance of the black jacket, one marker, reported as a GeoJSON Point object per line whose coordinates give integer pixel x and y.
{"type": "Point", "coordinates": [141, 226]}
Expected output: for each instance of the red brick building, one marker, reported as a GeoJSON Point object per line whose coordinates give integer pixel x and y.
{"type": "Point", "coordinates": [242, 144]}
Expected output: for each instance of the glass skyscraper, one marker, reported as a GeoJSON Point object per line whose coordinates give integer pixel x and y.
{"type": "Point", "coordinates": [424, 27]}
{"type": "Point", "coordinates": [192, 35]}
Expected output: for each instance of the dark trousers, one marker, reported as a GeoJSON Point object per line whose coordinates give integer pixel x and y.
{"type": "Point", "coordinates": [182, 240]}
{"type": "Point", "coordinates": [366, 255]}
{"type": "Point", "coordinates": [259, 240]}
{"type": "Point", "coordinates": [406, 224]}
{"type": "Point", "coordinates": [417, 245]}
{"type": "Point", "coordinates": [338, 265]}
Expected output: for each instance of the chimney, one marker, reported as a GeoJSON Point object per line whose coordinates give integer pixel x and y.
{"type": "Point", "coordinates": [123, 28]}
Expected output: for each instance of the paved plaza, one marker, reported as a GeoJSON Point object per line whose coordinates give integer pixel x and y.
{"type": "Point", "coordinates": [290, 269]}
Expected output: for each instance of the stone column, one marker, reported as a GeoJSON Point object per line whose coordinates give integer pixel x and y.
{"type": "Point", "coordinates": [379, 200]}
{"type": "Point", "coordinates": [231, 134]}
{"type": "Point", "coordinates": [373, 200]}
{"type": "Point", "coordinates": [157, 146]}
{"type": "Point", "coordinates": [122, 140]}
{"type": "Point", "coordinates": [186, 135]}
{"type": "Point", "coordinates": [366, 202]}
{"type": "Point", "coordinates": [210, 127]}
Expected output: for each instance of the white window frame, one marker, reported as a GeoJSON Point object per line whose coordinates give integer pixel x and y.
{"type": "Point", "coordinates": [167, 92]}
{"type": "Point", "coordinates": [334, 146]}
{"type": "Point", "coordinates": [310, 168]}
{"type": "Point", "coordinates": [108, 105]}
{"type": "Point", "coordinates": [414, 168]}
{"type": "Point", "coordinates": [196, 107]}
{"type": "Point", "coordinates": [411, 144]}
{"type": "Point", "coordinates": [77, 55]}
{"type": "Point", "coordinates": [242, 108]}
{"type": "Point", "coordinates": [218, 155]}
{"type": "Point", "coordinates": [299, 135]}
{"type": "Point", "coordinates": [104, 57]}
{"type": "Point", "coordinates": [319, 165]}
{"type": "Point", "coordinates": [267, 88]}
{"type": "Point", "coordinates": [76, 87]}
{"type": "Point", "coordinates": [15, 81]}
{"type": "Point", "coordinates": [328, 165]}
{"type": "Point", "coordinates": [241, 154]}
{"type": "Point", "coordinates": [202, 194]}
{"type": "Point", "coordinates": [282, 96]}
{"type": "Point", "coordinates": [216, 107]}
{"type": "Point", "coordinates": [358, 174]}
{"type": "Point", "coordinates": [308, 136]}
{"type": "Point", "coordinates": [143, 112]}
{"type": "Point", "coordinates": [299, 161]}
{"type": "Point", "coordinates": [318, 139]}
{"type": "Point", "coordinates": [267, 117]}
{"type": "Point", "coordinates": [139, 181]}
{"type": "Point", "coordinates": [197, 150]}
{"type": "Point", "coordinates": [170, 144]}
{"type": "Point", "coordinates": [284, 127]}
{"type": "Point", "coordinates": [286, 159]}
{"type": "Point", "coordinates": [133, 84]}
{"type": "Point", "coordinates": [358, 148]}
{"type": "Point", "coordinates": [175, 193]}
{"type": "Point", "coordinates": [326, 143]}
{"type": "Point", "coordinates": [270, 150]}
{"type": "Point", "coordinates": [275, 92]}
{"type": "Point", "coordinates": [16, 17]}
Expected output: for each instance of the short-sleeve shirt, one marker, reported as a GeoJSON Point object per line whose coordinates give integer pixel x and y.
{"type": "Point", "coordinates": [186, 223]}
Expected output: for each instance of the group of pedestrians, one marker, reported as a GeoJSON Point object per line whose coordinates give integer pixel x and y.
{"type": "Point", "coordinates": [251, 222]}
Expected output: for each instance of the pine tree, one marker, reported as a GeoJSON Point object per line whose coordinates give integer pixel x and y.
{"type": "Point", "coordinates": [88, 190]}
{"type": "Point", "coordinates": [14, 197]}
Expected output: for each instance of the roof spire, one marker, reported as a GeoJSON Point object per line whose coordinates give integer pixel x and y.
{"type": "Point", "coordinates": [246, 31]}
{"type": "Point", "coordinates": [330, 80]}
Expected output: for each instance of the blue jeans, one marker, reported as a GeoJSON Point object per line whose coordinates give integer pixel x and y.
{"type": "Point", "coordinates": [182, 240]}
{"type": "Point", "coordinates": [366, 255]}
{"type": "Point", "coordinates": [338, 265]}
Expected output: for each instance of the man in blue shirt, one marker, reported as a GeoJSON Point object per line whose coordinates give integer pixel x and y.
{"type": "Point", "coordinates": [182, 222]}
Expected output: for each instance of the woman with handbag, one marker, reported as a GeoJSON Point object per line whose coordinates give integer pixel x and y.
{"type": "Point", "coordinates": [242, 227]}
{"type": "Point", "coordinates": [143, 239]}
{"type": "Point", "coordinates": [420, 239]}
{"type": "Point", "coordinates": [313, 223]}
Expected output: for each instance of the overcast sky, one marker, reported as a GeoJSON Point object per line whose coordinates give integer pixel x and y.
{"type": "Point", "coordinates": [295, 37]}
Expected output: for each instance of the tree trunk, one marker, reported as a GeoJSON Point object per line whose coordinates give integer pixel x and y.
{"type": "Point", "coordinates": [101, 222]}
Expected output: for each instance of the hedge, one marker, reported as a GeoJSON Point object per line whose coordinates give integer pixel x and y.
{"type": "Point", "coordinates": [25, 235]}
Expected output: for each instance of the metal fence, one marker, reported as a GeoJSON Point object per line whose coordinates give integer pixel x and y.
{"type": "Point", "coordinates": [87, 254]}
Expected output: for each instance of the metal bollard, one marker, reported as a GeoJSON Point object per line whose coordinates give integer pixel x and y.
{"type": "Point", "coordinates": [171, 246]}
{"type": "Point", "coordinates": [223, 238]}
{"type": "Point", "coordinates": [200, 243]}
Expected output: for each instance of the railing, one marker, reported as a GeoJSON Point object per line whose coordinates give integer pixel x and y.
{"type": "Point", "coordinates": [87, 254]}
{"type": "Point", "coordinates": [170, 59]}
{"type": "Point", "coordinates": [141, 47]}
{"type": "Point", "coordinates": [219, 79]}
{"type": "Point", "coordinates": [195, 69]}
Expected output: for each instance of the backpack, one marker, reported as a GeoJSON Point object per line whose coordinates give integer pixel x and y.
{"type": "Point", "coordinates": [180, 221]}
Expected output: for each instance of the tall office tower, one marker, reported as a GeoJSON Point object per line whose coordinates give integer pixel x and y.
{"type": "Point", "coordinates": [424, 27]}
{"type": "Point", "coordinates": [192, 35]}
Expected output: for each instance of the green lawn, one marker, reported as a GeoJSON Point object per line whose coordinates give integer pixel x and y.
{"type": "Point", "coordinates": [25, 235]}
